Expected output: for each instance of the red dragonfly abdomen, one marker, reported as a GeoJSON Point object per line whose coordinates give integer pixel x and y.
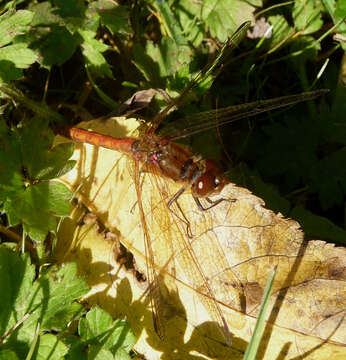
{"type": "Point", "coordinates": [85, 136]}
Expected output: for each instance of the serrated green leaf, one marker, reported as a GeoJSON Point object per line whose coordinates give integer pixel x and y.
{"type": "Point", "coordinates": [7, 354]}
{"type": "Point", "coordinates": [46, 300]}
{"type": "Point", "coordinates": [158, 63]}
{"type": "Point", "coordinates": [11, 176]}
{"type": "Point", "coordinates": [19, 54]}
{"type": "Point", "coordinates": [8, 71]}
{"type": "Point", "coordinates": [340, 9]}
{"type": "Point", "coordinates": [56, 45]}
{"type": "Point", "coordinates": [37, 207]}
{"type": "Point", "coordinates": [96, 352]}
{"type": "Point", "coordinates": [26, 154]}
{"type": "Point", "coordinates": [307, 16]}
{"type": "Point", "coordinates": [67, 8]}
{"type": "Point", "coordinates": [96, 324]}
{"type": "Point", "coordinates": [92, 50]}
{"type": "Point", "coordinates": [113, 16]}
{"type": "Point", "coordinates": [64, 288]}
{"type": "Point", "coordinates": [190, 20]}
{"type": "Point", "coordinates": [50, 347]}
{"type": "Point", "coordinates": [27, 301]}
{"type": "Point", "coordinates": [40, 159]}
{"type": "Point", "coordinates": [63, 316]}
{"type": "Point", "coordinates": [171, 24]}
{"type": "Point", "coordinates": [15, 284]}
{"type": "Point", "coordinates": [98, 328]}
{"type": "Point", "coordinates": [122, 354]}
{"type": "Point", "coordinates": [222, 21]}
{"type": "Point", "coordinates": [13, 58]}
{"type": "Point", "coordinates": [13, 24]}
{"type": "Point", "coordinates": [76, 347]}
{"type": "Point", "coordinates": [44, 15]}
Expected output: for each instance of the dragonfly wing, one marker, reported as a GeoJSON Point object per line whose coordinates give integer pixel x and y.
{"type": "Point", "coordinates": [155, 286]}
{"type": "Point", "coordinates": [189, 257]}
{"type": "Point", "coordinates": [213, 67]}
{"type": "Point", "coordinates": [210, 119]}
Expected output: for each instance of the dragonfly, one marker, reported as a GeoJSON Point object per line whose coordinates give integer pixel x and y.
{"type": "Point", "coordinates": [168, 159]}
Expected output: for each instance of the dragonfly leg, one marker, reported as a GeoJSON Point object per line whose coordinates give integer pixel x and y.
{"type": "Point", "coordinates": [141, 171]}
{"type": "Point", "coordinates": [213, 203]}
{"type": "Point", "coordinates": [183, 217]}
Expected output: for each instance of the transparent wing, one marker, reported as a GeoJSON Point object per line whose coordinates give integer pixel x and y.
{"type": "Point", "coordinates": [207, 120]}
{"type": "Point", "coordinates": [213, 67]}
{"type": "Point", "coordinates": [180, 257]}
{"type": "Point", "coordinates": [153, 277]}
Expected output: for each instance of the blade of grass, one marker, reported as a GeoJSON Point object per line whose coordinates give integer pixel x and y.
{"type": "Point", "coordinates": [34, 342]}
{"type": "Point", "coordinates": [108, 101]}
{"type": "Point", "coordinates": [252, 348]}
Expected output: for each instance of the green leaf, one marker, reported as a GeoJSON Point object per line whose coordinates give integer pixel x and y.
{"type": "Point", "coordinates": [98, 328]}
{"type": "Point", "coordinates": [115, 17]}
{"type": "Point", "coordinates": [29, 302]}
{"type": "Point", "coordinates": [70, 9]}
{"type": "Point", "coordinates": [340, 9]}
{"type": "Point", "coordinates": [307, 16]}
{"type": "Point", "coordinates": [8, 70]}
{"type": "Point", "coordinates": [44, 15]}
{"type": "Point", "coordinates": [55, 45]}
{"type": "Point", "coordinates": [171, 24]}
{"type": "Point", "coordinates": [190, 19]}
{"type": "Point", "coordinates": [19, 54]}
{"type": "Point", "coordinates": [222, 22]}
{"type": "Point", "coordinates": [41, 161]}
{"type": "Point", "coordinates": [96, 323]}
{"type": "Point", "coordinates": [122, 354]}
{"type": "Point", "coordinates": [13, 24]}
{"type": "Point", "coordinates": [37, 207]}
{"type": "Point", "coordinates": [26, 156]}
{"type": "Point", "coordinates": [15, 56]}
{"type": "Point", "coordinates": [50, 347]}
{"type": "Point", "coordinates": [51, 35]}
{"type": "Point", "coordinates": [76, 346]}
{"type": "Point", "coordinates": [7, 354]}
{"type": "Point", "coordinates": [64, 288]}
{"type": "Point", "coordinates": [11, 177]}
{"type": "Point", "coordinates": [158, 63]}
{"type": "Point", "coordinates": [96, 352]}
{"type": "Point", "coordinates": [281, 29]}
{"type": "Point", "coordinates": [92, 50]}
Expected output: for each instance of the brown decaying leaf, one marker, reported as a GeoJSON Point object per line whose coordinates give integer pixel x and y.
{"type": "Point", "coordinates": [236, 244]}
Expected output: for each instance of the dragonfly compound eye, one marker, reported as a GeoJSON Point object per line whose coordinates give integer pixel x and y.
{"type": "Point", "coordinates": [210, 182]}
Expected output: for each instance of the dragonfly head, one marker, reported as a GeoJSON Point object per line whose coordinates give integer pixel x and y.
{"type": "Point", "coordinates": [210, 182]}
